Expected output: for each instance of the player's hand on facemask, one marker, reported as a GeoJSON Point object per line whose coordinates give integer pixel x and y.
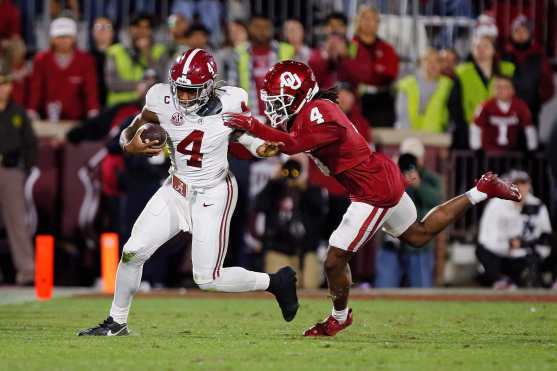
{"type": "Point", "coordinates": [137, 146]}
{"type": "Point", "coordinates": [269, 149]}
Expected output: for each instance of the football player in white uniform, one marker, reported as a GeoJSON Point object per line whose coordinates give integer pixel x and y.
{"type": "Point", "coordinates": [200, 194]}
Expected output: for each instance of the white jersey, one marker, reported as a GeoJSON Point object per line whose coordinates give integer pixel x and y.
{"type": "Point", "coordinates": [199, 141]}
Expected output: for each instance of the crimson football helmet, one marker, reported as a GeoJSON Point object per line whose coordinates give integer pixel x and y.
{"type": "Point", "coordinates": [195, 70]}
{"type": "Point", "coordinates": [287, 87]}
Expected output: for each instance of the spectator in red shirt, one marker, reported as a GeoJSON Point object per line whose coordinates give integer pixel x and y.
{"type": "Point", "coordinates": [372, 65]}
{"type": "Point", "coordinates": [324, 59]}
{"type": "Point", "coordinates": [499, 120]}
{"type": "Point", "coordinates": [64, 80]}
{"type": "Point", "coordinates": [533, 77]}
{"type": "Point", "coordinates": [10, 21]}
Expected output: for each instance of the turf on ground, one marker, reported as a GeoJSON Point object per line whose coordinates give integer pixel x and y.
{"type": "Point", "coordinates": [248, 334]}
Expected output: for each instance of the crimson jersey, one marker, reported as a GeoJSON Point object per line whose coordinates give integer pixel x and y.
{"type": "Point", "coordinates": [324, 132]}
{"type": "Point", "coordinates": [500, 129]}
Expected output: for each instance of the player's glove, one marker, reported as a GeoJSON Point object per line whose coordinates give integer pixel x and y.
{"type": "Point", "coordinates": [241, 121]}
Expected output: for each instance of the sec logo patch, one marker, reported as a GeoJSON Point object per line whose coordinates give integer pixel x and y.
{"type": "Point", "coordinates": [177, 119]}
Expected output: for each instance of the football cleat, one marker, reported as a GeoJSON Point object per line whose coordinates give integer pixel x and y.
{"type": "Point", "coordinates": [493, 186]}
{"type": "Point", "coordinates": [107, 328]}
{"type": "Point", "coordinates": [329, 327]}
{"type": "Point", "coordinates": [285, 292]}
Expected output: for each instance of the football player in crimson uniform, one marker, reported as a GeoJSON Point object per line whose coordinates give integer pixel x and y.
{"type": "Point", "coordinates": [200, 194]}
{"type": "Point", "coordinates": [305, 119]}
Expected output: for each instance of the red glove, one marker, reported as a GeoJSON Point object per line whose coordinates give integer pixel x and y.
{"type": "Point", "coordinates": [241, 121]}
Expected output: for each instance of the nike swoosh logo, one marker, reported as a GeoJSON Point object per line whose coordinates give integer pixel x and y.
{"type": "Point", "coordinates": [207, 205]}
{"type": "Point", "coordinates": [110, 333]}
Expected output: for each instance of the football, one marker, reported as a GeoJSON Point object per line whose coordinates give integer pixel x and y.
{"type": "Point", "coordinates": [153, 132]}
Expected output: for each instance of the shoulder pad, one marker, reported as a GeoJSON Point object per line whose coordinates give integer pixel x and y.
{"type": "Point", "coordinates": [155, 97]}
{"type": "Point", "coordinates": [232, 98]}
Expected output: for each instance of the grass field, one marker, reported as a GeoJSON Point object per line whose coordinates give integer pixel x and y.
{"type": "Point", "coordinates": [248, 334]}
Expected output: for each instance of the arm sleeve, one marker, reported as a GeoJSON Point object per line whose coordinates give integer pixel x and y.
{"type": "Point", "coordinates": [251, 143]}
{"type": "Point", "coordinates": [312, 138]}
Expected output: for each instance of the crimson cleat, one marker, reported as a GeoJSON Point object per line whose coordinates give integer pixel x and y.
{"type": "Point", "coordinates": [329, 327]}
{"type": "Point", "coordinates": [492, 186]}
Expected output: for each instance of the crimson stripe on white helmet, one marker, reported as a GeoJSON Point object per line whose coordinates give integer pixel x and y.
{"type": "Point", "coordinates": [189, 59]}
{"type": "Point", "coordinates": [195, 71]}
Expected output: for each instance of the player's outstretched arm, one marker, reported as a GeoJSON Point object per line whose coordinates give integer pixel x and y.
{"type": "Point", "coordinates": [289, 143]}
{"type": "Point", "coordinates": [131, 141]}
{"type": "Point", "coordinates": [256, 146]}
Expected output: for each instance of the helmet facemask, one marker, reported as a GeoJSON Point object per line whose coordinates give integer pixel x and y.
{"type": "Point", "coordinates": [202, 94]}
{"type": "Point", "coordinates": [276, 108]}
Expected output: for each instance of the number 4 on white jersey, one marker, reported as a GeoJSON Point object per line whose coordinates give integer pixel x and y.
{"type": "Point", "coordinates": [316, 116]}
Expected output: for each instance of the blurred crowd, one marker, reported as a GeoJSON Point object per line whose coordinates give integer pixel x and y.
{"type": "Point", "coordinates": [488, 99]}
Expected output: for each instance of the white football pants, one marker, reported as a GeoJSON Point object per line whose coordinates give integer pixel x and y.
{"type": "Point", "coordinates": [206, 213]}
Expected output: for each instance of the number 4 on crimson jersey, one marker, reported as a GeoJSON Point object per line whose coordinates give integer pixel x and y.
{"type": "Point", "coordinates": [339, 150]}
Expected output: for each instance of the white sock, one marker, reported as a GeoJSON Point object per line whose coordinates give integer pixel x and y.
{"type": "Point", "coordinates": [236, 279]}
{"type": "Point", "coordinates": [340, 315]}
{"type": "Point", "coordinates": [128, 278]}
{"type": "Point", "coordinates": [475, 196]}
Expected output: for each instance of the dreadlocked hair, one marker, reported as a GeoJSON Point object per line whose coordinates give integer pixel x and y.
{"type": "Point", "coordinates": [330, 94]}
{"type": "Point", "coordinates": [219, 85]}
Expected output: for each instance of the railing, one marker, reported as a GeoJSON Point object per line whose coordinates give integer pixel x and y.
{"type": "Point", "coordinates": [442, 23]}
{"type": "Point", "coordinates": [458, 168]}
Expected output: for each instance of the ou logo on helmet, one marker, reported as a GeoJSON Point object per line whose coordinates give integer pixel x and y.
{"type": "Point", "coordinates": [290, 80]}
